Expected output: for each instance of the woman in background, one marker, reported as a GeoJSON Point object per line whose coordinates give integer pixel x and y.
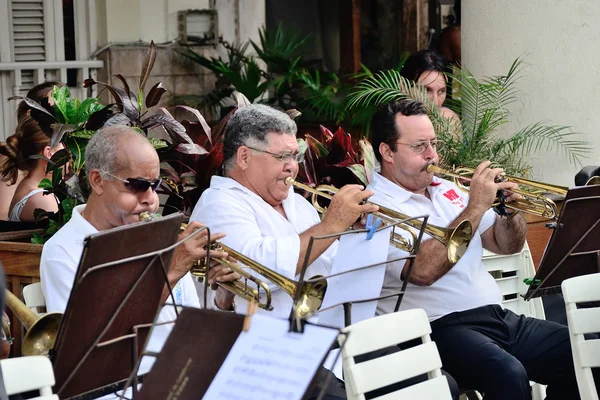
{"type": "Point", "coordinates": [27, 141]}
{"type": "Point", "coordinates": [429, 68]}
{"type": "Point", "coordinates": [7, 190]}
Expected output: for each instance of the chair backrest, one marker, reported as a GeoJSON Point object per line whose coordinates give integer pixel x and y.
{"type": "Point", "coordinates": [33, 295]}
{"type": "Point", "coordinates": [509, 271]}
{"type": "Point", "coordinates": [24, 374]}
{"type": "Point", "coordinates": [586, 353]}
{"type": "Point", "coordinates": [386, 331]}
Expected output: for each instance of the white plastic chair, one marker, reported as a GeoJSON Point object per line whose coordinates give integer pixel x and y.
{"type": "Point", "coordinates": [509, 273]}
{"type": "Point", "coordinates": [34, 297]}
{"type": "Point", "coordinates": [390, 330]}
{"type": "Point", "coordinates": [586, 353]}
{"type": "Point", "coordinates": [24, 374]}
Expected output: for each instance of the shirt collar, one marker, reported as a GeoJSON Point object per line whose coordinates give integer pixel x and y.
{"type": "Point", "coordinates": [80, 224]}
{"type": "Point", "coordinates": [396, 192]}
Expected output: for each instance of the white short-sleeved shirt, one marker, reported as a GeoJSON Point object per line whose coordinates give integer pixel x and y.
{"type": "Point", "coordinates": [255, 229]}
{"type": "Point", "coordinates": [59, 262]}
{"type": "Point", "coordinates": [468, 284]}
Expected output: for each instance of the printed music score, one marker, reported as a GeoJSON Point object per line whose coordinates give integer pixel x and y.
{"type": "Point", "coordinates": [268, 362]}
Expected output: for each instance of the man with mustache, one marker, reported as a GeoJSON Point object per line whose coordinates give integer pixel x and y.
{"type": "Point", "coordinates": [263, 218]}
{"type": "Point", "coordinates": [123, 172]}
{"type": "Point", "coordinates": [482, 345]}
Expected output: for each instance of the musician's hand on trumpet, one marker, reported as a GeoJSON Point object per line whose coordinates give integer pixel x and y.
{"type": "Point", "coordinates": [484, 187]}
{"type": "Point", "coordinates": [222, 273]}
{"type": "Point", "coordinates": [347, 206]}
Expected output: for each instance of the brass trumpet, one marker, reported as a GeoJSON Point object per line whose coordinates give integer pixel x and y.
{"type": "Point", "coordinates": [312, 293]}
{"type": "Point", "coordinates": [41, 331]}
{"type": "Point", "coordinates": [533, 202]}
{"type": "Point", "coordinates": [455, 239]}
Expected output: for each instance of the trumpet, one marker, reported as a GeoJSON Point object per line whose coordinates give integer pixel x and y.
{"type": "Point", "coordinates": [311, 296]}
{"type": "Point", "coordinates": [41, 331]}
{"type": "Point", "coordinates": [312, 293]}
{"type": "Point", "coordinates": [455, 239]}
{"type": "Point", "coordinates": [533, 202]}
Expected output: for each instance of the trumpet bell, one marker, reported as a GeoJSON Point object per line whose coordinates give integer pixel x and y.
{"type": "Point", "coordinates": [40, 336]}
{"type": "Point", "coordinates": [594, 180]}
{"type": "Point", "coordinates": [459, 240]}
{"type": "Point", "coordinates": [311, 298]}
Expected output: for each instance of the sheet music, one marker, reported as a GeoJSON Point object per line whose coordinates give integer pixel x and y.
{"type": "Point", "coordinates": [268, 362]}
{"type": "Point", "coordinates": [356, 251]}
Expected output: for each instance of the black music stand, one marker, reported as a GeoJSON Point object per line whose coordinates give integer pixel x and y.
{"type": "Point", "coordinates": [574, 248]}
{"type": "Point", "coordinates": [115, 296]}
{"type": "Point", "coordinates": [193, 354]}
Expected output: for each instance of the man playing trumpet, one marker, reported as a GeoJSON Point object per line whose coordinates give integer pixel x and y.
{"type": "Point", "coordinates": [263, 218]}
{"type": "Point", "coordinates": [123, 172]}
{"type": "Point", "coordinates": [482, 345]}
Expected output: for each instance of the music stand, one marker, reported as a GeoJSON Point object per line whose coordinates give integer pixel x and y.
{"type": "Point", "coordinates": [115, 296]}
{"type": "Point", "coordinates": [348, 304]}
{"type": "Point", "coordinates": [573, 249]}
{"type": "Point", "coordinates": [193, 354]}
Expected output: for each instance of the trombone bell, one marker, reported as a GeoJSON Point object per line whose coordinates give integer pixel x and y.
{"type": "Point", "coordinates": [41, 331]}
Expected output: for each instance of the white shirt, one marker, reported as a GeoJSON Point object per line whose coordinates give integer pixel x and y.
{"type": "Point", "coordinates": [468, 284]}
{"type": "Point", "coordinates": [59, 262]}
{"type": "Point", "coordinates": [255, 229]}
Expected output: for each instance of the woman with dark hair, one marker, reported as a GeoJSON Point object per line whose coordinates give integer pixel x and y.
{"type": "Point", "coordinates": [27, 141]}
{"type": "Point", "coordinates": [429, 68]}
{"type": "Point", "coordinates": [7, 190]}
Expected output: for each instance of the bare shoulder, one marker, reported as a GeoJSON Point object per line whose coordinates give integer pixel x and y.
{"type": "Point", "coordinates": [448, 113]}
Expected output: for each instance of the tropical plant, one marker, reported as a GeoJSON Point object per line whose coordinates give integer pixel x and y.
{"type": "Point", "coordinates": [336, 160]}
{"type": "Point", "coordinates": [483, 109]}
{"type": "Point", "coordinates": [288, 81]}
{"type": "Point", "coordinates": [73, 122]}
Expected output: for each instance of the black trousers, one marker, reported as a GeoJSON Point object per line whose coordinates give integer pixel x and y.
{"type": "Point", "coordinates": [335, 388]}
{"type": "Point", "coordinates": [497, 352]}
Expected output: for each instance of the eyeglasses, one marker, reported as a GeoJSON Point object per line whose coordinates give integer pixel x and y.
{"type": "Point", "coordinates": [138, 185]}
{"type": "Point", "coordinates": [285, 157]}
{"type": "Point", "coordinates": [422, 146]}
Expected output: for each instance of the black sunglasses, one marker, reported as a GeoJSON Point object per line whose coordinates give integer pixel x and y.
{"type": "Point", "coordinates": [139, 185]}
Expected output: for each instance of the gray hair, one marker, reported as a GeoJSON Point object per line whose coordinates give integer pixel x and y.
{"type": "Point", "coordinates": [250, 125]}
{"type": "Point", "coordinates": [102, 150]}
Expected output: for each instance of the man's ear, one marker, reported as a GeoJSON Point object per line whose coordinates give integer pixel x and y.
{"type": "Point", "coordinates": [96, 182]}
{"type": "Point", "coordinates": [386, 153]}
{"type": "Point", "coordinates": [241, 157]}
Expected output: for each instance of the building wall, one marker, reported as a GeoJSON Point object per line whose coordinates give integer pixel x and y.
{"type": "Point", "coordinates": [559, 42]}
{"type": "Point", "coordinates": [126, 27]}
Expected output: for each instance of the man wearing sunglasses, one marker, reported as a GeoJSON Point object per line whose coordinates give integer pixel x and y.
{"type": "Point", "coordinates": [482, 345]}
{"type": "Point", "coordinates": [263, 218]}
{"type": "Point", "coordinates": [123, 172]}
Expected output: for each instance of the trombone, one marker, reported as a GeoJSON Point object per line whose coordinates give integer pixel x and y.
{"type": "Point", "coordinates": [533, 202]}
{"type": "Point", "coordinates": [312, 292]}
{"type": "Point", "coordinates": [455, 239]}
{"type": "Point", "coordinates": [41, 331]}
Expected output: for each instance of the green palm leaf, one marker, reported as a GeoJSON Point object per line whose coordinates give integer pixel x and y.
{"type": "Point", "coordinates": [483, 108]}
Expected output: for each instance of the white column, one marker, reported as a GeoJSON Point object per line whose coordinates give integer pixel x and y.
{"type": "Point", "coordinates": [559, 42]}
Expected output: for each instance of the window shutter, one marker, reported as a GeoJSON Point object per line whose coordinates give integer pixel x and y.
{"type": "Point", "coordinates": [28, 35]}
{"type": "Point", "coordinates": [28, 30]}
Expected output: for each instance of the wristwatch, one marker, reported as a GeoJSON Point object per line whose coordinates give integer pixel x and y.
{"type": "Point", "coordinates": [232, 310]}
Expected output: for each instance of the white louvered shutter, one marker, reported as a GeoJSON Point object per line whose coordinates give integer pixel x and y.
{"type": "Point", "coordinates": [28, 35]}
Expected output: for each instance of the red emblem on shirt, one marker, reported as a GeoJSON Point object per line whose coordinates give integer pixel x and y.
{"type": "Point", "coordinates": [454, 198]}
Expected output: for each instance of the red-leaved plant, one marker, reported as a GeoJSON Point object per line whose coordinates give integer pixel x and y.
{"type": "Point", "coordinates": [336, 160]}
